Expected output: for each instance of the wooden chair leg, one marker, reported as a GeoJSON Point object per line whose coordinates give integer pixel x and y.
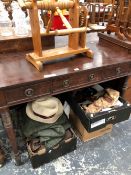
{"type": "Point", "coordinates": [6, 118]}
{"type": "Point", "coordinates": [2, 156]}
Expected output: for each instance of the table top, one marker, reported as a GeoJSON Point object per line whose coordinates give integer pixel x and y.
{"type": "Point", "coordinates": [16, 70]}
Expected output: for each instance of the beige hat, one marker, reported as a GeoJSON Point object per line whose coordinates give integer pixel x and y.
{"type": "Point", "coordinates": [45, 110]}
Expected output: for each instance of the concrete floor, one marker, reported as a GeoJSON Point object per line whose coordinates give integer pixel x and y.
{"type": "Point", "coordinates": [106, 155]}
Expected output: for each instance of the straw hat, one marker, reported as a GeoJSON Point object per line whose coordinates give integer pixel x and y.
{"type": "Point", "coordinates": [45, 110]}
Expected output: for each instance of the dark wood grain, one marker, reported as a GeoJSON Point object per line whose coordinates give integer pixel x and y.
{"type": "Point", "coordinates": [15, 43]}
{"type": "Point", "coordinates": [27, 93]}
{"type": "Point", "coordinates": [17, 75]}
{"type": "Point", "coordinates": [115, 40]}
{"type": "Point", "coordinates": [15, 70]}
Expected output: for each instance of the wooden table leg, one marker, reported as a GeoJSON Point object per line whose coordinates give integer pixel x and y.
{"type": "Point", "coordinates": [7, 122]}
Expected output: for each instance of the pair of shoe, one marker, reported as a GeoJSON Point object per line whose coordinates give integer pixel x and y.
{"type": "Point", "coordinates": [36, 148]}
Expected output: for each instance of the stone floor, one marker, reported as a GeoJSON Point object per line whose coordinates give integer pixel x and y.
{"type": "Point", "coordinates": [106, 155]}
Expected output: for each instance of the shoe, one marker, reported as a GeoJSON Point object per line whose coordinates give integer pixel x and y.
{"type": "Point", "coordinates": [68, 136]}
{"type": "Point", "coordinates": [35, 147]}
{"type": "Point", "coordinates": [56, 146]}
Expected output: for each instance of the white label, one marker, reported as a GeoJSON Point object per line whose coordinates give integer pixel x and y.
{"type": "Point", "coordinates": [76, 69]}
{"type": "Point", "coordinates": [100, 122]}
{"type": "Point", "coordinates": [81, 1]}
{"type": "Point", "coordinates": [49, 75]}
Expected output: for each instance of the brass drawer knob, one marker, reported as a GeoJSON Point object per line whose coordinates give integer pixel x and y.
{"type": "Point", "coordinates": [29, 92]}
{"type": "Point", "coordinates": [118, 70]}
{"type": "Point", "coordinates": [91, 77]}
{"type": "Point", "coordinates": [66, 83]}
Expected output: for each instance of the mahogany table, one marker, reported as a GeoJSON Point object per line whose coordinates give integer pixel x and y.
{"type": "Point", "coordinates": [20, 82]}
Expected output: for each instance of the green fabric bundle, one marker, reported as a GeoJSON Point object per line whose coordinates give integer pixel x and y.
{"type": "Point", "coordinates": [49, 134]}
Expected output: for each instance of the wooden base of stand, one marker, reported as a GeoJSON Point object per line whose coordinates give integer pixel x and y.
{"type": "Point", "coordinates": [112, 38]}
{"type": "Point", "coordinates": [53, 54]}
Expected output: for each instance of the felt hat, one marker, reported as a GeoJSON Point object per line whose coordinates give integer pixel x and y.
{"type": "Point", "coordinates": [45, 109]}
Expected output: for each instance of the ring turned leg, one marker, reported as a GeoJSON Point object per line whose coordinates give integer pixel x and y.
{"type": "Point", "coordinates": [6, 118]}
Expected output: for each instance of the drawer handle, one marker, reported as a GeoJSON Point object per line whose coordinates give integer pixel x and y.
{"type": "Point", "coordinates": [118, 70]}
{"type": "Point", "coordinates": [66, 83]}
{"type": "Point", "coordinates": [29, 92]}
{"type": "Point", "coordinates": [91, 77]}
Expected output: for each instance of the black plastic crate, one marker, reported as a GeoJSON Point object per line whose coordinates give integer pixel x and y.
{"type": "Point", "coordinates": [101, 119]}
{"type": "Point", "coordinates": [64, 148]}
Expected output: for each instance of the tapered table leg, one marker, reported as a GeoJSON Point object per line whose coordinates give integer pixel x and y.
{"type": "Point", "coordinates": [7, 122]}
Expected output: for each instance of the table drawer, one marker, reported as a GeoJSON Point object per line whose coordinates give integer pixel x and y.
{"type": "Point", "coordinates": [65, 83]}
{"type": "Point", "coordinates": [116, 71]}
{"type": "Point", "coordinates": [26, 92]}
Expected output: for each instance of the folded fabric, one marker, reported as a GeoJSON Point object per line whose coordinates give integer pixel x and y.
{"type": "Point", "coordinates": [49, 134]}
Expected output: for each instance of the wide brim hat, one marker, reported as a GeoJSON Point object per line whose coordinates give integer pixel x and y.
{"type": "Point", "coordinates": [45, 109]}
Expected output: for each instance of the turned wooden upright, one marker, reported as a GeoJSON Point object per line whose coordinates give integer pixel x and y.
{"type": "Point", "coordinates": [77, 35]}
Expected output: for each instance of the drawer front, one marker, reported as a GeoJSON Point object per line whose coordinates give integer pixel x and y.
{"type": "Point", "coordinates": [65, 83]}
{"type": "Point", "coordinates": [90, 77]}
{"type": "Point", "coordinates": [26, 92]}
{"type": "Point", "coordinates": [116, 71]}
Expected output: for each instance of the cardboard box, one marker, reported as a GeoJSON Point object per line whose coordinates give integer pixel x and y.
{"type": "Point", "coordinates": [82, 133]}
{"type": "Point", "coordinates": [99, 120]}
